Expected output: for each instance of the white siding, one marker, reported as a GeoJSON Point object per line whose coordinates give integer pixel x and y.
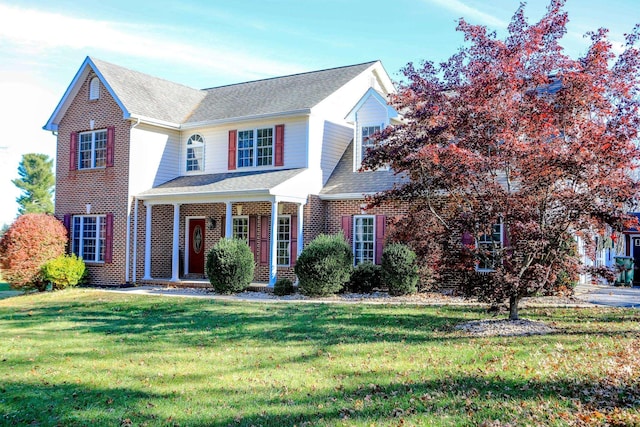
{"type": "Point", "coordinates": [216, 142]}
{"type": "Point", "coordinates": [372, 113]}
{"type": "Point", "coordinates": [335, 140]}
{"type": "Point", "coordinates": [154, 154]}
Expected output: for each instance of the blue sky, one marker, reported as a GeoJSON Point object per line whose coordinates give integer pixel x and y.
{"type": "Point", "coordinates": [211, 43]}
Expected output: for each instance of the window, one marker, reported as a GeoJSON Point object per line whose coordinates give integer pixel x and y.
{"type": "Point", "coordinates": [489, 244]}
{"type": "Point", "coordinates": [367, 142]}
{"type": "Point", "coordinates": [240, 226]}
{"type": "Point", "coordinates": [364, 239]}
{"type": "Point", "coordinates": [89, 237]}
{"type": "Point", "coordinates": [92, 149]}
{"type": "Point", "coordinates": [195, 153]}
{"type": "Point", "coordinates": [284, 240]}
{"type": "Point", "coordinates": [255, 147]}
{"type": "Point", "coordinates": [94, 89]}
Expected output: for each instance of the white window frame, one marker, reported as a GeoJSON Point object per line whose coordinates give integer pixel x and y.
{"type": "Point", "coordinates": [254, 148]}
{"type": "Point", "coordinates": [358, 234]}
{"type": "Point", "coordinates": [94, 89]}
{"type": "Point", "coordinates": [284, 244]}
{"type": "Point", "coordinates": [494, 245]}
{"type": "Point", "coordinates": [235, 222]}
{"type": "Point", "coordinates": [363, 145]}
{"type": "Point", "coordinates": [78, 238]}
{"type": "Point", "coordinates": [195, 144]}
{"type": "Point", "coordinates": [94, 159]}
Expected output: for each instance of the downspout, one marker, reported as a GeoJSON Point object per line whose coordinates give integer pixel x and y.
{"type": "Point", "coordinates": [127, 255]}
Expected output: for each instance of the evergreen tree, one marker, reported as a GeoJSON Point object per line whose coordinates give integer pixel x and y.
{"type": "Point", "coordinates": [36, 182]}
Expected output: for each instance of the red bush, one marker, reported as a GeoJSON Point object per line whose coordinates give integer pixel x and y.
{"type": "Point", "coordinates": [32, 240]}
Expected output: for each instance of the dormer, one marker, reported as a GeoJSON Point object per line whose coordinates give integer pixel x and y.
{"type": "Point", "coordinates": [370, 115]}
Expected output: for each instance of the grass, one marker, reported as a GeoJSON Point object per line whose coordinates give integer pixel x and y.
{"type": "Point", "coordinates": [85, 357]}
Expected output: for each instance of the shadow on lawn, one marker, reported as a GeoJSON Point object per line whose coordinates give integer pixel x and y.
{"type": "Point", "coordinates": [454, 399]}
{"type": "Point", "coordinates": [197, 322]}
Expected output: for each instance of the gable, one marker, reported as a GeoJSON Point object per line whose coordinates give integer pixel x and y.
{"type": "Point", "coordinates": [138, 95]}
{"type": "Point", "coordinates": [374, 95]}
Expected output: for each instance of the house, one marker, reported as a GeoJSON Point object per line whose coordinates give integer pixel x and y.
{"type": "Point", "coordinates": [150, 174]}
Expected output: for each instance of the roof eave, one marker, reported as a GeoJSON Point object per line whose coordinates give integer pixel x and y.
{"type": "Point", "coordinates": [344, 196]}
{"type": "Point", "coordinates": [254, 117]}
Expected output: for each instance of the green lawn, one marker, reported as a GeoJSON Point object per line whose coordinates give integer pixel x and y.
{"type": "Point", "coordinates": [84, 357]}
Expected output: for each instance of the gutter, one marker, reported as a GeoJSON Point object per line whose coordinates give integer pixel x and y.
{"type": "Point", "coordinates": [344, 196]}
{"type": "Point", "coordinates": [302, 112]}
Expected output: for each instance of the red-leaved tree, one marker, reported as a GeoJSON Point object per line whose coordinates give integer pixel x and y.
{"type": "Point", "coordinates": [31, 241]}
{"type": "Point", "coordinates": [512, 149]}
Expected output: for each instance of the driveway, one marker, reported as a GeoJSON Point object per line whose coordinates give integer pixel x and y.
{"type": "Point", "coordinates": [614, 296]}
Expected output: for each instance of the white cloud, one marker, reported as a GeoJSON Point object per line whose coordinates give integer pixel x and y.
{"type": "Point", "coordinates": [48, 31]}
{"type": "Point", "coordinates": [470, 13]}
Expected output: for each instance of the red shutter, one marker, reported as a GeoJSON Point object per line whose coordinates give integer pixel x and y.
{"type": "Point", "coordinates": [381, 231]}
{"type": "Point", "coordinates": [505, 236]}
{"type": "Point", "coordinates": [108, 244]}
{"type": "Point", "coordinates": [111, 140]}
{"type": "Point", "coordinates": [279, 151]}
{"type": "Point", "coordinates": [346, 227]}
{"type": "Point", "coordinates": [231, 162]}
{"type": "Point", "coordinates": [223, 231]}
{"type": "Point", "coordinates": [293, 231]}
{"type": "Point", "coordinates": [73, 151]}
{"type": "Point", "coordinates": [67, 224]}
{"type": "Point", "coordinates": [264, 240]}
{"type": "Point", "coordinates": [252, 235]}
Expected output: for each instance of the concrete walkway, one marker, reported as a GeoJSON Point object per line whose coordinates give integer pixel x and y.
{"type": "Point", "coordinates": [613, 296]}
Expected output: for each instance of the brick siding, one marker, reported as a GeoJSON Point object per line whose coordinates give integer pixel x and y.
{"type": "Point", "coordinates": [105, 189]}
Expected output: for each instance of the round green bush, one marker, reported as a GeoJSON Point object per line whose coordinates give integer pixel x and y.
{"type": "Point", "coordinates": [283, 287]}
{"type": "Point", "coordinates": [399, 269]}
{"type": "Point", "coordinates": [324, 266]}
{"type": "Point", "coordinates": [365, 277]}
{"type": "Point", "coordinates": [230, 266]}
{"type": "Point", "coordinates": [65, 271]}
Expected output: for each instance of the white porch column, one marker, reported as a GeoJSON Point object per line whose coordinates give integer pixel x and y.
{"type": "Point", "coordinates": [175, 257]}
{"type": "Point", "coordinates": [147, 243]}
{"type": "Point", "coordinates": [273, 247]}
{"type": "Point", "coordinates": [300, 228]}
{"type": "Point", "coordinates": [228, 229]}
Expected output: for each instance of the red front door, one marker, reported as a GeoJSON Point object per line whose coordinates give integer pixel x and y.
{"type": "Point", "coordinates": [196, 246]}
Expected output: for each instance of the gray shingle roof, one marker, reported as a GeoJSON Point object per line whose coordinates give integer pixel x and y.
{"type": "Point", "coordinates": [150, 96]}
{"type": "Point", "coordinates": [248, 182]}
{"type": "Point", "coordinates": [344, 180]}
{"type": "Point", "coordinates": [272, 96]}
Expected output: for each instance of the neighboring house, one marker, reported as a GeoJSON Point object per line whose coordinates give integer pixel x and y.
{"type": "Point", "coordinates": [150, 174]}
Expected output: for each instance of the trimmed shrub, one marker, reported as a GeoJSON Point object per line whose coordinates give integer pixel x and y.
{"type": "Point", "coordinates": [66, 271]}
{"type": "Point", "coordinates": [365, 277]}
{"type": "Point", "coordinates": [230, 266]}
{"type": "Point", "coordinates": [399, 269]}
{"type": "Point", "coordinates": [324, 265]}
{"type": "Point", "coordinates": [283, 287]}
{"type": "Point", "coordinates": [31, 241]}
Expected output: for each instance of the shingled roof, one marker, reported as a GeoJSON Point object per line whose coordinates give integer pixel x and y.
{"type": "Point", "coordinates": [344, 181]}
{"type": "Point", "coordinates": [151, 98]}
{"type": "Point", "coordinates": [148, 96]}
{"type": "Point", "coordinates": [276, 95]}
{"type": "Point", "coordinates": [223, 183]}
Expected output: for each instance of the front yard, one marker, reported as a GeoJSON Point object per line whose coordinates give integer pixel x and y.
{"type": "Point", "coordinates": [86, 357]}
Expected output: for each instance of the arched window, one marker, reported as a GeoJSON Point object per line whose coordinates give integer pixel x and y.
{"type": "Point", "coordinates": [195, 153]}
{"type": "Point", "coordinates": [94, 88]}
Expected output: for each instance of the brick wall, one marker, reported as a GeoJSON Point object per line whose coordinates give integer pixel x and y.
{"type": "Point", "coordinates": [105, 189]}
{"type": "Point", "coordinates": [162, 234]}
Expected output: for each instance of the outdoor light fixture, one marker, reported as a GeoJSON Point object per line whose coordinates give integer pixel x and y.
{"type": "Point", "coordinates": [212, 223]}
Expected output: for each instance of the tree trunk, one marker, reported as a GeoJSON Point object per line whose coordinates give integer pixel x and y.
{"type": "Point", "coordinates": [513, 308]}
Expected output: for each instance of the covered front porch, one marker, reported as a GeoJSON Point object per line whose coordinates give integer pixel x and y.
{"type": "Point", "coordinates": [176, 225]}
